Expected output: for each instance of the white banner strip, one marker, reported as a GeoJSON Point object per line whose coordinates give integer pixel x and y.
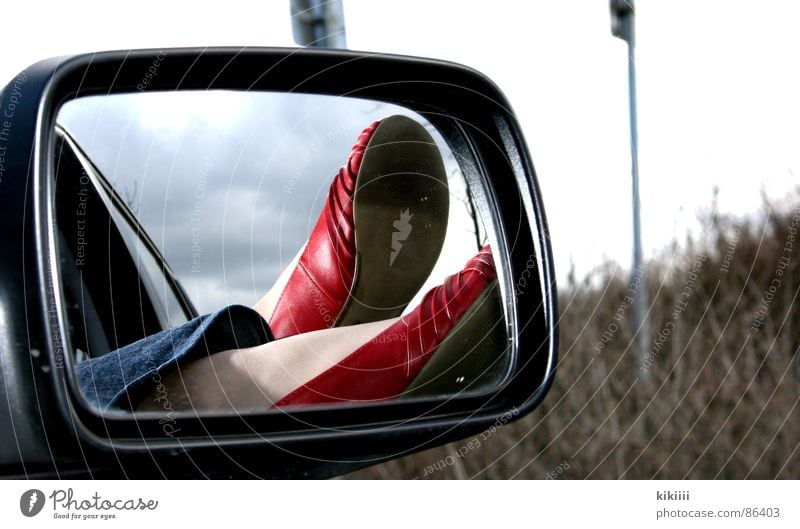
{"type": "Point", "coordinates": [397, 504]}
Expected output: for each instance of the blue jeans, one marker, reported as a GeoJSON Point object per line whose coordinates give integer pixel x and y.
{"type": "Point", "coordinates": [122, 378]}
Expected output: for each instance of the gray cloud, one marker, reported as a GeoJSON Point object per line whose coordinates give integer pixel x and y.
{"type": "Point", "coordinates": [238, 176]}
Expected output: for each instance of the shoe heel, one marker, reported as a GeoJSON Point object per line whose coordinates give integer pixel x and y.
{"type": "Point", "coordinates": [473, 356]}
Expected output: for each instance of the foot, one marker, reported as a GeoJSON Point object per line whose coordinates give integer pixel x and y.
{"type": "Point", "coordinates": [377, 239]}
{"type": "Point", "coordinates": [385, 366]}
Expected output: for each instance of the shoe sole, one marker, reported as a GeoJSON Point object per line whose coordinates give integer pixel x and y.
{"type": "Point", "coordinates": [401, 171]}
{"type": "Point", "coordinates": [474, 356]}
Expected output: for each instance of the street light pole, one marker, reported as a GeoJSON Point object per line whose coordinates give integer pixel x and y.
{"type": "Point", "coordinates": [623, 26]}
{"type": "Point", "coordinates": [318, 23]}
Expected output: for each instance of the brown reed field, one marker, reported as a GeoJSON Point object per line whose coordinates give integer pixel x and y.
{"type": "Point", "coordinates": [714, 395]}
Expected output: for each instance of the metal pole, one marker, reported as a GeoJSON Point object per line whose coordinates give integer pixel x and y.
{"type": "Point", "coordinates": [623, 26]}
{"type": "Point", "coordinates": [318, 23]}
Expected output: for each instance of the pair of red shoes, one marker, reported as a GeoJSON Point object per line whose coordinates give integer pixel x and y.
{"type": "Point", "coordinates": [375, 243]}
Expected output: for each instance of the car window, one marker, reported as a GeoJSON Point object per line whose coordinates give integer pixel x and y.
{"type": "Point", "coordinates": [96, 229]}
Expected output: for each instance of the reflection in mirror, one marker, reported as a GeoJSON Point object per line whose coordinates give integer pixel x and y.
{"type": "Point", "coordinates": [240, 251]}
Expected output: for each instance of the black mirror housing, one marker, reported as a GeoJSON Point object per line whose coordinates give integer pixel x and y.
{"type": "Point", "coordinates": [50, 430]}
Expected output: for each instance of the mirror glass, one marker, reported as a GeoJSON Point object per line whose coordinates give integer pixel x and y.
{"type": "Point", "coordinates": [243, 251]}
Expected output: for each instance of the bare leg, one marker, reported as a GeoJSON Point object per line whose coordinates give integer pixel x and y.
{"type": "Point", "coordinates": [257, 377]}
{"type": "Point", "coordinates": [266, 305]}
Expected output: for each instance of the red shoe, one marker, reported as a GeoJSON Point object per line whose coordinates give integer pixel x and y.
{"type": "Point", "coordinates": [385, 366]}
{"type": "Point", "coordinates": [378, 236]}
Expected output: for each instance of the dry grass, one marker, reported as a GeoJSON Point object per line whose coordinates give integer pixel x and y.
{"type": "Point", "coordinates": [721, 400]}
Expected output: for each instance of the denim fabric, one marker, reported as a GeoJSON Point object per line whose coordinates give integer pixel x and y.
{"type": "Point", "coordinates": [124, 377]}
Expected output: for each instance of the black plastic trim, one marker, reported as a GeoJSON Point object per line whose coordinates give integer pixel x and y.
{"type": "Point", "coordinates": [461, 103]}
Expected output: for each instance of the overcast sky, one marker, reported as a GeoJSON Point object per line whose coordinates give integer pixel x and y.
{"type": "Point", "coordinates": [230, 184]}
{"type": "Point", "coordinates": [718, 85]}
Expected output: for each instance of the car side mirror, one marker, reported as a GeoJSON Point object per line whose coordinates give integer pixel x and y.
{"type": "Point", "coordinates": [145, 188]}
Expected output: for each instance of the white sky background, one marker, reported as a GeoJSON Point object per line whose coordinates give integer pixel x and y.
{"type": "Point", "coordinates": [719, 90]}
